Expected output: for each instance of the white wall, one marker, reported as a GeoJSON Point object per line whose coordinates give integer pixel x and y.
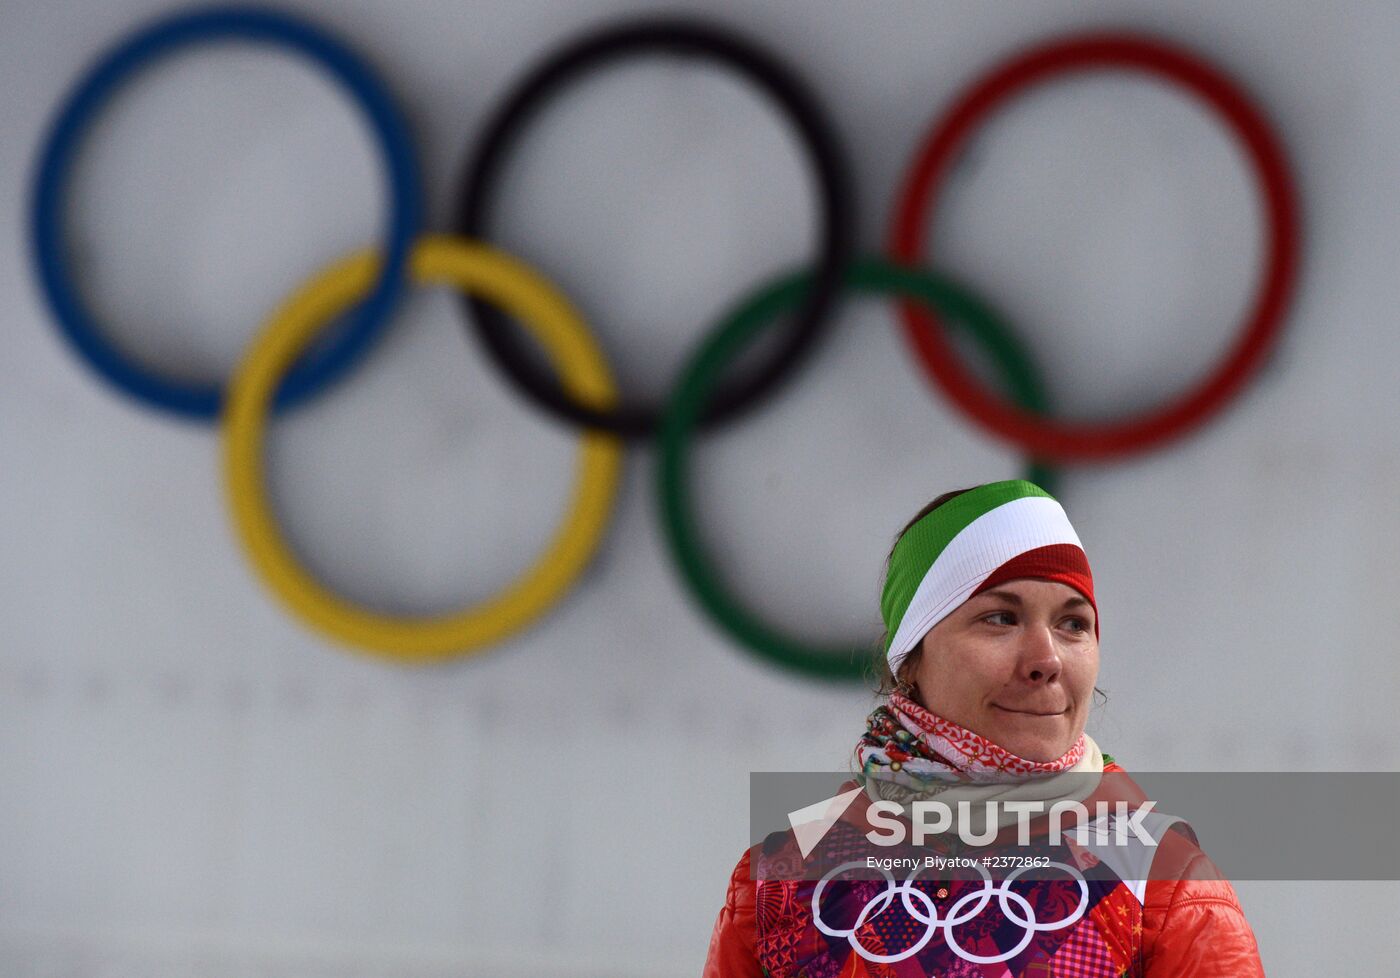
{"type": "Point", "coordinates": [193, 783]}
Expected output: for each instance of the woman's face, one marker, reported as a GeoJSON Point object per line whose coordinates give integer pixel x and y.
{"type": "Point", "coordinates": [1016, 664]}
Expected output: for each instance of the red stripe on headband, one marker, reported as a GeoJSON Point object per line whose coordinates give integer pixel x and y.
{"type": "Point", "coordinates": [1062, 562]}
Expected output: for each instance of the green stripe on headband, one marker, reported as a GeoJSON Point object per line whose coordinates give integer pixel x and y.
{"type": "Point", "coordinates": [921, 544]}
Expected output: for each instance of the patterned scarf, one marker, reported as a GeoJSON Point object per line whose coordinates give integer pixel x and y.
{"type": "Point", "coordinates": [908, 745]}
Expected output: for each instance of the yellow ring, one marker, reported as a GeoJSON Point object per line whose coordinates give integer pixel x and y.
{"type": "Point", "coordinates": [518, 289]}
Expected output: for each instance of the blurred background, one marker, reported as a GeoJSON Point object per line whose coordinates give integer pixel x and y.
{"type": "Point", "coordinates": [194, 783]}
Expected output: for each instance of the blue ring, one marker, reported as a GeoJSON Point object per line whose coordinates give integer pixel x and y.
{"type": "Point", "coordinates": [364, 325]}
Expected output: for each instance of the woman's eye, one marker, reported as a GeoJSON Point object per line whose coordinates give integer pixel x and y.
{"type": "Point", "coordinates": [1000, 618]}
{"type": "Point", "coordinates": [1078, 624]}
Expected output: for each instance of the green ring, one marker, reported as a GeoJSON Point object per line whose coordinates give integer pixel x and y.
{"type": "Point", "coordinates": [870, 275]}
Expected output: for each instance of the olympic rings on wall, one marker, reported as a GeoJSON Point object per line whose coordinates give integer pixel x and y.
{"type": "Point", "coordinates": [557, 328]}
{"type": "Point", "coordinates": [278, 373]}
{"type": "Point", "coordinates": [768, 74]}
{"type": "Point", "coordinates": [720, 349]}
{"type": "Point", "coordinates": [1082, 442]}
{"type": "Point", "coordinates": [90, 95]}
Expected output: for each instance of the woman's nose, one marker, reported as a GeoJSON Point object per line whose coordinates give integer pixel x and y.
{"type": "Point", "coordinates": [1040, 656]}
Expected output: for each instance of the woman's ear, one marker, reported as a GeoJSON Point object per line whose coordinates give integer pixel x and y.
{"type": "Point", "coordinates": [904, 680]}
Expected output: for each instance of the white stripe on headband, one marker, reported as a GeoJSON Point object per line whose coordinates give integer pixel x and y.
{"type": "Point", "coordinates": [982, 546]}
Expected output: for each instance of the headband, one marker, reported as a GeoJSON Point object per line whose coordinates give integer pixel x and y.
{"type": "Point", "coordinates": [974, 541]}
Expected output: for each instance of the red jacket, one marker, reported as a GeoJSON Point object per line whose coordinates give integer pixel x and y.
{"type": "Point", "coordinates": [1186, 926]}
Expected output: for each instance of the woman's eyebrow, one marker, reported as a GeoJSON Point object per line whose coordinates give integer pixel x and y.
{"type": "Point", "coordinates": [1011, 597]}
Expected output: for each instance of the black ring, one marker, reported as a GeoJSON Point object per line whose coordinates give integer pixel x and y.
{"type": "Point", "coordinates": [685, 37]}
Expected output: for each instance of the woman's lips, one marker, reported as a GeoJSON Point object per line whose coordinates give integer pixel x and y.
{"type": "Point", "coordinates": [1027, 713]}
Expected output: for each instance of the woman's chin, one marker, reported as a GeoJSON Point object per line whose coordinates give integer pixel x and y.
{"type": "Point", "coordinates": [1049, 743]}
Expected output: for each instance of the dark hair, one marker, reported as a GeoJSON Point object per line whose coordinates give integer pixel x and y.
{"type": "Point", "coordinates": [885, 681]}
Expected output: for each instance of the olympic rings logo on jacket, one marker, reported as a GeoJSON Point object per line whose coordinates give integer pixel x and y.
{"type": "Point", "coordinates": [1007, 900]}
{"type": "Point", "coordinates": [1160, 911]}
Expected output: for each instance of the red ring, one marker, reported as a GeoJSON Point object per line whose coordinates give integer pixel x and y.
{"type": "Point", "coordinates": [1061, 441]}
